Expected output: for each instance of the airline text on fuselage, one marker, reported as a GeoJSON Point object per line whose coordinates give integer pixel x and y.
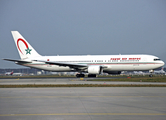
{"type": "Point", "coordinates": [125, 58]}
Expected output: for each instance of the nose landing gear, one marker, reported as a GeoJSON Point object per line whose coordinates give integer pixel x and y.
{"type": "Point", "coordinates": [151, 73]}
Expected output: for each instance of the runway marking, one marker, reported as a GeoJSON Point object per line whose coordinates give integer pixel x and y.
{"type": "Point", "coordinates": [66, 114]}
{"type": "Point", "coordinates": [73, 96]}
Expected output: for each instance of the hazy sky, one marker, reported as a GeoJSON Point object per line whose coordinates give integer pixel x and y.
{"type": "Point", "coordinates": [81, 27]}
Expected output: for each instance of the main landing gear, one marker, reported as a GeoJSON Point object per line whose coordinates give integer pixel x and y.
{"type": "Point", "coordinates": [91, 75]}
{"type": "Point", "coordinates": [82, 75]}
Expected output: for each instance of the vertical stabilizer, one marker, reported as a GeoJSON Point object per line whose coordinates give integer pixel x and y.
{"type": "Point", "coordinates": [24, 48]}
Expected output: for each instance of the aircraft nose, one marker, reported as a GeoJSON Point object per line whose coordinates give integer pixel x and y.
{"type": "Point", "coordinates": [162, 63]}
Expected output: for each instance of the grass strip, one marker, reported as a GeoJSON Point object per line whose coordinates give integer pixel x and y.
{"type": "Point", "coordinates": [80, 85]}
{"type": "Point", "coordinates": [35, 76]}
{"type": "Point", "coordinates": [135, 79]}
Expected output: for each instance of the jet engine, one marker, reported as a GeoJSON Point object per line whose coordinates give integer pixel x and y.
{"type": "Point", "coordinates": [94, 69]}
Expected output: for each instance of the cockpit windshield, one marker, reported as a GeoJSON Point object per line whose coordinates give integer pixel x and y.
{"type": "Point", "coordinates": [157, 59]}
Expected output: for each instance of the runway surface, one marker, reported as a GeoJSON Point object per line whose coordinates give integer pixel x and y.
{"type": "Point", "coordinates": [65, 81]}
{"type": "Point", "coordinates": [101, 103]}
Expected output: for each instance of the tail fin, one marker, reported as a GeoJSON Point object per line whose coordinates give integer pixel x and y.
{"type": "Point", "coordinates": [162, 68]}
{"type": "Point", "coordinates": [11, 73]}
{"type": "Point", "coordinates": [24, 48]}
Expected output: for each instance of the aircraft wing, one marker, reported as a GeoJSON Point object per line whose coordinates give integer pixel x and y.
{"type": "Point", "coordinates": [18, 61]}
{"type": "Point", "coordinates": [71, 65]}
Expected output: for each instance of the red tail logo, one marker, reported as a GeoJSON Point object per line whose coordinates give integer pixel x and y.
{"type": "Point", "coordinates": [26, 45]}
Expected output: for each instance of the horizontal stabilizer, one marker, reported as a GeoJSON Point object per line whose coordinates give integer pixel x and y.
{"type": "Point", "coordinates": [19, 61]}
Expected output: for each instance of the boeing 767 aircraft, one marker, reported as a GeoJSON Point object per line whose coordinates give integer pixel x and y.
{"type": "Point", "coordinates": [91, 64]}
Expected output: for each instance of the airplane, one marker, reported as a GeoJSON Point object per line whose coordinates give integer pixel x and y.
{"type": "Point", "coordinates": [9, 73]}
{"type": "Point", "coordinates": [90, 64]}
{"type": "Point", "coordinates": [13, 73]}
{"type": "Point", "coordinates": [17, 74]}
{"type": "Point", "coordinates": [159, 71]}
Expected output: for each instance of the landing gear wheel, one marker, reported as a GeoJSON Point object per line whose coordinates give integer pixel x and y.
{"type": "Point", "coordinates": [91, 75]}
{"type": "Point", "coordinates": [80, 75]}
{"type": "Point", "coordinates": [150, 75]}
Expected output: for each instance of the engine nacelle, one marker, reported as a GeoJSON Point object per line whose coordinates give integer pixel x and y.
{"type": "Point", "coordinates": [94, 69]}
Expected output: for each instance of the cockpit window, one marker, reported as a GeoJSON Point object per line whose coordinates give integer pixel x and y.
{"type": "Point", "coordinates": [157, 59]}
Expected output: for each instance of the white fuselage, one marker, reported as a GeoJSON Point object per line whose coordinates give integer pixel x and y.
{"type": "Point", "coordinates": [91, 64]}
{"type": "Point", "coordinates": [110, 62]}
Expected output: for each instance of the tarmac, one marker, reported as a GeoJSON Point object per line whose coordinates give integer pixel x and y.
{"type": "Point", "coordinates": [66, 81]}
{"type": "Point", "coordinates": [85, 103]}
